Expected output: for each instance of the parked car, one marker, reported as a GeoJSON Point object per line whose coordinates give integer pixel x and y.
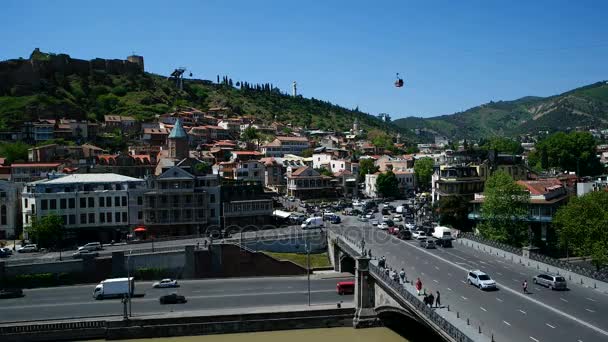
{"type": "Point", "coordinates": [445, 243]}
{"type": "Point", "coordinates": [173, 298]}
{"type": "Point", "coordinates": [393, 230]}
{"type": "Point", "coordinates": [11, 293]}
{"type": "Point", "coordinates": [481, 280]}
{"type": "Point", "coordinates": [31, 248]}
{"type": "Point", "coordinates": [363, 218]}
{"type": "Point", "coordinates": [386, 217]}
{"type": "Point", "coordinates": [83, 253]}
{"type": "Point", "coordinates": [91, 246]}
{"type": "Point", "coordinates": [369, 215]}
{"type": "Point", "coordinates": [375, 223]}
{"type": "Point", "coordinates": [6, 250]}
{"type": "Point", "coordinates": [419, 235]}
{"type": "Point", "coordinates": [397, 219]}
{"type": "Point", "coordinates": [335, 219]}
{"type": "Point", "coordinates": [166, 283]}
{"type": "Point", "coordinates": [383, 226]}
{"type": "Point", "coordinates": [552, 281]}
{"type": "Point", "coordinates": [427, 243]}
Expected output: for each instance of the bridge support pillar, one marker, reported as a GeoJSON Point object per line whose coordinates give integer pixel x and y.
{"type": "Point", "coordinates": [365, 315]}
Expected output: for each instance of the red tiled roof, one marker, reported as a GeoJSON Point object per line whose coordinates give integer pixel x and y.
{"type": "Point", "coordinates": [300, 170]}
{"type": "Point", "coordinates": [247, 153]}
{"type": "Point", "coordinates": [35, 165]}
{"type": "Point", "coordinates": [285, 138]}
{"type": "Point", "coordinates": [541, 186]}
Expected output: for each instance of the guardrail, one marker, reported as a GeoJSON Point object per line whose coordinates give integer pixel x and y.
{"type": "Point", "coordinates": [429, 313]}
{"type": "Point", "coordinates": [492, 243]}
{"type": "Point", "coordinates": [16, 329]}
{"type": "Point", "coordinates": [601, 275]}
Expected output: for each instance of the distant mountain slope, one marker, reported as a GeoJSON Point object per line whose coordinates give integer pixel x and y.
{"type": "Point", "coordinates": [56, 85]}
{"type": "Point", "coordinates": [585, 106]}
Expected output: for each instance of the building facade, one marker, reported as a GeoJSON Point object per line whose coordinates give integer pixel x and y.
{"type": "Point", "coordinates": [9, 210]}
{"type": "Point", "coordinates": [457, 180]}
{"type": "Point", "coordinates": [305, 183]}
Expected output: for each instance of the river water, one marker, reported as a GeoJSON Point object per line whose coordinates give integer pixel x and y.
{"type": "Point", "coordinates": [304, 335]}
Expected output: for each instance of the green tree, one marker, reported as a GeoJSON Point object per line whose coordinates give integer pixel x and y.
{"type": "Point", "coordinates": [46, 231]}
{"type": "Point", "coordinates": [251, 134]}
{"type": "Point", "coordinates": [504, 208]}
{"type": "Point", "coordinates": [307, 153]}
{"type": "Point", "coordinates": [324, 172]}
{"type": "Point", "coordinates": [202, 167]}
{"type": "Point", "coordinates": [14, 151]}
{"type": "Point", "coordinates": [424, 171]}
{"type": "Point", "coordinates": [581, 226]}
{"type": "Point", "coordinates": [412, 150]}
{"type": "Point", "coordinates": [575, 151]}
{"type": "Point", "coordinates": [503, 145]}
{"type": "Point", "coordinates": [387, 184]}
{"type": "Point", "coordinates": [366, 166]}
{"type": "Point", "coordinates": [453, 211]}
{"type": "Point", "coordinates": [380, 139]}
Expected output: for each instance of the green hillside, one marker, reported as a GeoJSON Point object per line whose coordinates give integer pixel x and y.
{"type": "Point", "coordinates": [143, 95]}
{"type": "Point", "coordinates": [585, 106]}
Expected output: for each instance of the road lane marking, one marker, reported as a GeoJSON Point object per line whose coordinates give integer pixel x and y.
{"type": "Point", "coordinates": [549, 325]}
{"type": "Point", "coordinates": [463, 297]}
{"type": "Point", "coordinates": [516, 280]}
{"type": "Point", "coordinates": [529, 298]}
{"type": "Point", "coordinates": [593, 300]}
{"type": "Point", "coordinates": [562, 299]}
{"type": "Point", "coordinates": [449, 289]}
{"type": "Point", "coordinates": [462, 281]}
{"type": "Point", "coordinates": [449, 274]}
{"type": "Point", "coordinates": [523, 312]}
{"type": "Point", "coordinates": [589, 310]}
{"type": "Point", "coordinates": [533, 339]}
{"type": "Point", "coordinates": [437, 268]}
{"type": "Point", "coordinates": [499, 273]}
{"type": "Point", "coordinates": [498, 299]}
{"type": "Point", "coordinates": [482, 308]}
{"type": "Point", "coordinates": [436, 281]}
{"type": "Point", "coordinates": [507, 323]}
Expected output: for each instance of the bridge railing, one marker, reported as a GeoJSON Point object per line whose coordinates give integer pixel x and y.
{"type": "Point", "coordinates": [492, 243]}
{"type": "Point", "coordinates": [429, 313]}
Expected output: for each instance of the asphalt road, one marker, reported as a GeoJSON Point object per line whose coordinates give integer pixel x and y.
{"type": "Point", "coordinates": [212, 294]}
{"type": "Point", "coordinates": [544, 315]}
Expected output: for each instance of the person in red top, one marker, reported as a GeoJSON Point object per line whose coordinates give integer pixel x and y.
{"type": "Point", "coordinates": [418, 285]}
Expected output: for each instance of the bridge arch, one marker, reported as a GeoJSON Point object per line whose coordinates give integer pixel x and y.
{"type": "Point", "coordinates": [347, 263]}
{"type": "Point", "coordinates": [405, 324]}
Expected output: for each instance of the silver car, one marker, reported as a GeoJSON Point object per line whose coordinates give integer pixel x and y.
{"type": "Point", "coordinates": [552, 281]}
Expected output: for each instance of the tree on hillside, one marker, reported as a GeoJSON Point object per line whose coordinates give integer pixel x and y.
{"type": "Point", "coordinates": [387, 185]}
{"type": "Point", "coordinates": [575, 151]}
{"type": "Point", "coordinates": [502, 145]}
{"type": "Point", "coordinates": [46, 231]}
{"type": "Point", "coordinates": [581, 226]}
{"type": "Point", "coordinates": [307, 153]}
{"type": "Point", "coordinates": [14, 151]}
{"type": "Point", "coordinates": [504, 207]}
{"type": "Point", "coordinates": [380, 139]}
{"type": "Point", "coordinates": [366, 166]}
{"type": "Point", "coordinates": [251, 134]}
{"type": "Point", "coordinates": [324, 172]}
{"type": "Point", "coordinates": [424, 170]}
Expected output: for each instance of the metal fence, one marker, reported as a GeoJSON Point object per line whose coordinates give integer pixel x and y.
{"type": "Point", "coordinates": [429, 313]}
{"type": "Point", "coordinates": [584, 270]}
{"type": "Point", "coordinates": [29, 328]}
{"type": "Point", "coordinates": [492, 243]}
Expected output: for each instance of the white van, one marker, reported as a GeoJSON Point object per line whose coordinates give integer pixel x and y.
{"type": "Point", "coordinates": [312, 222]}
{"type": "Point", "coordinates": [442, 232]}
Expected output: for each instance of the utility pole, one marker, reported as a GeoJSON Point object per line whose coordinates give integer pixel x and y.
{"type": "Point", "coordinates": [308, 267]}
{"type": "Point", "coordinates": [129, 282]}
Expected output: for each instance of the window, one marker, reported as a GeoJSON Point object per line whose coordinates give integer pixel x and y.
{"type": "Point", "coordinates": [91, 202]}
{"type": "Point", "coordinates": [140, 215]}
{"type": "Point", "coordinates": [212, 213]}
{"type": "Point", "coordinates": [72, 219]}
{"type": "Point", "coordinates": [116, 217]}
{"type": "Point", "coordinates": [102, 217]}
{"type": "Point", "coordinates": [91, 218]}
{"type": "Point", "coordinates": [124, 216]}
{"type": "Point", "coordinates": [25, 202]}
{"type": "Point", "coordinates": [83, 202]}
{"type": "Point", "coordinates": [44, 204]}
{"type": "Point", "coordinates": [212, 198]}
{"type": "Point", "coordinates": [53, 204]}
{"type": "Point", "coordinates": [3, 215]}
{"type": "Point", "coordinates": [140, 200]}
{"type": "Point", "coordinates": [124, 201]}
{"type": "Point", "coordinates": [109, 217]}
{"type": "Point", "coordinates": [102, 202]}
{"type": "Point", "coordinates": [63, 203]}
{"type": "Point", "coordinates": [71, 203]}
{"type": "Point", "coordinates": [64, 218]}
{"type": "Point", "coordinates": [83, 218]}
{"type": "Point", "coordinates": [108, 201]}
{"type": "Point", "coordinates": [116, 201]}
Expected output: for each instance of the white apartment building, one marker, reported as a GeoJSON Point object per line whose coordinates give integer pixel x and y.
{"type": "Point", "coordinates": [285, 145]}
{"type": "Point", "coordinates": [95, 205]}
{"type": "Point", "coordinates": [370, 185]}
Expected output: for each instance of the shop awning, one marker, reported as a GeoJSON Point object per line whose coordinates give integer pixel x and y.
{"type": "Point", "coordinates": [140, 229]}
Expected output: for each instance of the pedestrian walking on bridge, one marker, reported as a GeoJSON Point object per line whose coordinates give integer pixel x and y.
{"type": "Point", "coordinates": [418, 286]}
{"type": "Point", "coordinates": [438, 300]}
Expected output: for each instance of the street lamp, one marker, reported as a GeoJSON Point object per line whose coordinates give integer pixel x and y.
{"type": "Point", "coordinates": [308, 267]}
{"type": "Point", "coordinates": [129, 281]}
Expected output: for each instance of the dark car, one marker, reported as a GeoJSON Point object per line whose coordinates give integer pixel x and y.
{"type": "Point", "coordinates": [404, 234]}
{"type": "Point", "coordinates": [335, 219]}
{"type": "Point", "coordinates": [11, 293]}
{"type": "Point", "coordinates": [173, 298]}
{"type": "Point", "coordinates": [445, 243]}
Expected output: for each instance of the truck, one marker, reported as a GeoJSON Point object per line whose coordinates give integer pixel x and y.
{"type": "Point", "coordinates": [114, 288]}
{"type": "Point", "coordinates": [443, 236]}
{"type": "Point", "coordinates": [312, 222]}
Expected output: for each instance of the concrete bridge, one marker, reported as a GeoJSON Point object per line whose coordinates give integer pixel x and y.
{"type": "Point", "coordinates": [379, 299]}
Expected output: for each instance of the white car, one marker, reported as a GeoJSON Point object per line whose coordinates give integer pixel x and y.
{"type": "Point", "coordinates": [165, 283]}
{"type": "Point", "coordinates": [31, 248]}
{"type": "Point", "coordinates": [383, 226]}
{"type": "Point", "coordinates": [410, 226]}
{"type": "Point", "coordinates": [481, 280]}
{"type": "Point", "coordinates": [397, 219]}
{"type": "Point", "coordinates": [419, 235]}
{"type": "Point", "coordinates": [91, 246]}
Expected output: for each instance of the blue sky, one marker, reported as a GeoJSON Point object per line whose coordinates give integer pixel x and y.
{"type": "Point", "coordinates": [453, 55]}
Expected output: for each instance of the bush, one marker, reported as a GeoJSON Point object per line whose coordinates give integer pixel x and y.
{"type": "Point", "coordinates": [43, 280]}
{"type": "Point", "coordinates": [152, 273]}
